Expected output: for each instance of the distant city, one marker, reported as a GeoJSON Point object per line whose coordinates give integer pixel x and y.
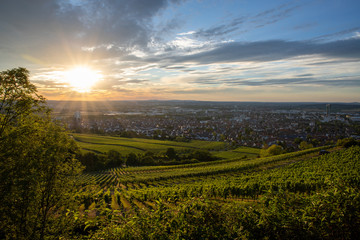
{"type": "Point", "coordinates": [237, 123]}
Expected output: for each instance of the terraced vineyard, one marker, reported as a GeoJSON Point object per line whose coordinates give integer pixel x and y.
{"type": "Point", "coordinates": [144, 191]}
{"type": "Point", "coordinates": [227, 178]}
{"type": "Point", "coordinates": [102, 144]}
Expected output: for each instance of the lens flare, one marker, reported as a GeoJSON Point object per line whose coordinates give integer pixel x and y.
{"type": "Point", "coordinates": [82, 79]}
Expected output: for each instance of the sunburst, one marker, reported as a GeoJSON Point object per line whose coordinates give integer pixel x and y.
{"type": "Point", "coordinates": [82, 78]}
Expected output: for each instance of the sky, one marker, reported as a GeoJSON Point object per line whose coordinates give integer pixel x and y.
{"type": "Point", "coordinates": [207, 50]}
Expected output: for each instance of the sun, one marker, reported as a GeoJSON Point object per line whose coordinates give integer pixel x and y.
{"type": "Point", "coordinates": [82, 78]}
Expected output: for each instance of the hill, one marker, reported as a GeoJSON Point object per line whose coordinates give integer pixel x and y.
{"type": "Point", "coordinates": [297, 195]}
{"type": "Point", "coordinates": [102, 144]}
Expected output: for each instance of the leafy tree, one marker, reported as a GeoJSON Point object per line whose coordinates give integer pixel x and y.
{"type": "Point", "coordinates": [315, 142]}
{"type": "Point", "coordinates": [272, 151]}
{"type": "Point", "coordinates": [297, 140]}
{"type": "Point", "coordinates": [202, 155]}
{"type": "Point", "coordinates": [18, 97]}
{"type": "Point", "coordinates": [181, 139]}
{"type": "Point", "coordinates": [132, 159]}
{"type": "Point", "coordinates": [114, 159]}
{"type": "Point", "coordinates": [147, 160]}
{"type": "Point", "coordinates": [222, 137]}
{"type": "Point", "coordinates": [92, 161]}
{"type": "Point", "coordinates": [37, 163]}
{"type": "Point", "coordinates": [305, 145]}
{"type": "Point", "coordinates": [171, 153]}
{"type": "Point", "coordinates": [347, 142]}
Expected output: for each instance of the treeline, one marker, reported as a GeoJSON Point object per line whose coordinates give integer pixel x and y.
{"type": "Point", "coordinates": [94, 161]}
{"type": "Point", "coordinates": [347, 142]}
{"type": "Point", "coordinates": [157, 134]}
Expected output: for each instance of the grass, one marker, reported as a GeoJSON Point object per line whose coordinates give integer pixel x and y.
{"type": "Point", "coordinates": [241, 152]}
{"type": "Point", "coordinates": [232, 154]}
{"type": "Point", "coordinates": [102, 144]}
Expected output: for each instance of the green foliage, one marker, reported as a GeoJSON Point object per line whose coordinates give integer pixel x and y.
{"type": "Point", "coordinates": [315, 198]}
{"type": "Point", "coordinates": [102, 144]}
{"type": "Point", "coordinates": [220, 178]}
{"type": "Point", "coordinates": [202, 156]}
{"type": "Point", "coordinates": [96, 162]}
{"type": "Point", "coordinates": [297, 140]}
{"type": "Point", "coordinates": [18, 97]}
{"type": "Point", "coordinates": [171, 153]}
{"type": "Point", "coordinates": [302, 195]}
{"type": "Point", "coordinates": [305, 145]}
{"type": "Point", "coordinates": [181, 139]}
{"type": "Point", "coordinates": [330, 214]}
{"type": "Point", "coordinates": [132, 159]}
{"type": "Point", "coordinates": [347, 142]}
{"type": "Point", "coordinates": [114, 159]}
{"type": "Point", "coordinates": [37, 163]}
{"type": "Point", "coordinates": [272, 151]}
{"type": "Point", "coordinates": [92, 161]}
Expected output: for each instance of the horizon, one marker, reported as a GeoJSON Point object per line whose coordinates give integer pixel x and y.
{"type": "Point", "coordinates": [170, 50]}
{"type": "Point", "coordinates": [203, 101]}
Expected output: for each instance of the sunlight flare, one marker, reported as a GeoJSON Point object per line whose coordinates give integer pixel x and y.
{"type": "Point", "coordinates": [82, 78]}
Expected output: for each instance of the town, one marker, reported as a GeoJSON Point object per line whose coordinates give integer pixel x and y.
{"type": "Point", "coordinates": [237, 123]}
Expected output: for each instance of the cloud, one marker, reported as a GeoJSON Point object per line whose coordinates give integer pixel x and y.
{"type": "Point", "coordinates": [186, 43]}
{"type": "Point", "coordinates": [142, 48]}
{"type": "Point", "coordinates": [272, 50]}
{"type": "Point", "coordinates": [107, 83]}
{"type": "Point", "coordinates": [336, 82]}
{"type": "Point", "coordinates": [136, 81]}
{"type": "Point", "coordinates": [220, 30]}
{"type": "Point", "coordinates": [113, 83]}
{"type": "Point", "coordinates": [186, 33]}
{"type": "Point", "coordinates": [57, 31]}
{"type": "Point", "coordinates": [274, 15]}
{"type": "Point", "coordinates": [51, 84]}
{"type": "Point", "coordinates": [356, 35]}
{"type": "Point", "coordinates": [339, 34]}
{"type": "Point", "coordinates": [248, 23]}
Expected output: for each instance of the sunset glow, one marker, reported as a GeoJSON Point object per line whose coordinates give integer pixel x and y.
{"type": "Point", "coordinates": [266, 51]}
{"type": "Point", "coordinates": [82, 79]}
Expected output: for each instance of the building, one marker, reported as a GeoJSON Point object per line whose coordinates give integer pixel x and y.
{"type": "Point", "coordinates": [77, 116]}
{"type": "Point", "coordinates": [328, 108]}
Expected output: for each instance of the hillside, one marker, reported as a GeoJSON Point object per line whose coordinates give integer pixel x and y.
{"type": "Point", "coordinates": [233, 198]}
{"type": "Point", "coordinates": [102, 144]}
{"type": "Point", "coordinates": [92, 142]}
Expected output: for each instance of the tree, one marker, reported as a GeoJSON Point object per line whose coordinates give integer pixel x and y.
{"type": "Point", "coordinates": [92, 161]}
{"type": "Point", "coordinates": [37, 163]}
{"type": "Point", "coordinates": [18, 97]}
{"type": "Point", "coordinates": [114, 159]}
{"type": "Point", "coordinates": [305, 145]}
{"type": "Point", "coordinates": [202, 155]}
{"type": "Point", "coordinates": [272, 151]}
{"type": "Point", "coordinates": [132, 159]}
{"type": "Point", "coordinates": [171, 153]}
{"type": "Point", "coordinates": [297, 140]}
{"type": "Point", "coordinates": [347, 142]}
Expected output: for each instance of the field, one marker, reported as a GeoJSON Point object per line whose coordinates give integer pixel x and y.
{"type": "Point", "coordinates": [204, 194]}
{"type": "Point", "coordinates": [241, 152]}
{"type": "Point", "coordinates": [102, 144]}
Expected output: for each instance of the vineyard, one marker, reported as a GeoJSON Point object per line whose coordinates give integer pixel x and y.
{"type": "Point", "coordinates": [102, 144]}
{"type": "Point", "coordinates": [124, 193]}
